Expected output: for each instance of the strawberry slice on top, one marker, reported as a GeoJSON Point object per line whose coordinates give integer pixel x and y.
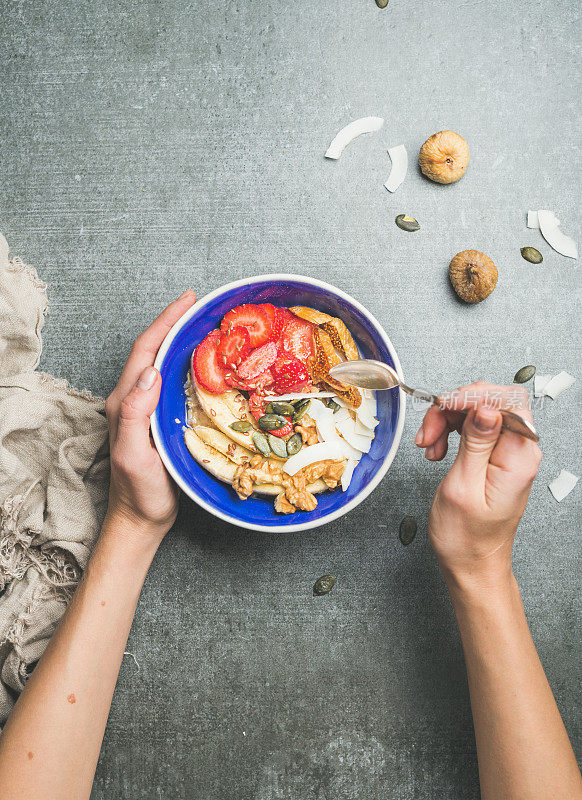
{"type": "Point", "coordinates": [234, 346]}
{"type": "Point", "coordinates": [206, 365]}
{"type": "Point", "coordinates": [282, 318]}
{"type": "Point", "coordinates": [290, 374]}
{"type": "Point", "coordinates": [297, 339]}
{"type": "Point", "coordinates": [254, 318]}
{"type": "Point", "coordinates": [258, 361]}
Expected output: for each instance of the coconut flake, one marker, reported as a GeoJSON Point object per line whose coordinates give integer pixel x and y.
{"type": "Point", "coordinates": [355, 440]}
{"type": "Point", "coordinates": [551, 232]}
{"type": "Point", "coordinates": [533, 221]}
{"type": "Point", "coordinates": [347, 474]}
{"type": "Point", "coordinates": [399, 158]}
{"type": "Point", "coordinates": [370, 398]}
{"type": "Point", "coordinates": [309, 455]}
{"type": "Point", "coordinates": [350, 132]}
{"type": "Point", "coordinates": [562, 485]}
{"type": "Point", "coordinates": [362, 430]}
{"type": "Point", "coordinates": [540, 382]}
{"type": "Point", "coordinates": [558, 384]}
{"type": "Point", "coordinates": [297, 395]}
{"type": "Point", "coordinates": [323, 417]}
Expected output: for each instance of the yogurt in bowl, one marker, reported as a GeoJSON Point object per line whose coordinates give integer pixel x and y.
{"type": "Point", "coordinates": [250, 425]}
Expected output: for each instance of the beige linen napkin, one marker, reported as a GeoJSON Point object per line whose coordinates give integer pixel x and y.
{"type": "Point", "coordinates": [53, 481]}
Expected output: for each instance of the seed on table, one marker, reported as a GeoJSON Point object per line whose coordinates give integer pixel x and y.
{"type": "Point", "coordinates": [408, 529]}
{"type": "Point", "coordinates": [524, 374]}
{"type": "Point", "coordinates": [532, 255]}
{"type": "Point", "coordinates": [323, 585]}
{"type": "Point", "coordinates": [407, 223]}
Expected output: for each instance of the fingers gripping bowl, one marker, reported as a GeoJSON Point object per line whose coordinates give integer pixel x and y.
{"type": "Point", "coordinates": [174, 361]}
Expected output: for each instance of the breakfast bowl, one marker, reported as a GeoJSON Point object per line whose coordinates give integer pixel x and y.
{"type": "Point", "coordinates": [174, 360]}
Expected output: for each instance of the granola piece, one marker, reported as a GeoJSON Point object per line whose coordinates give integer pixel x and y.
{"type": "Point", "coordinates": [282, 505]}
{"type": "Point", "coordinates": [307, 430]}
{"type": "Point", "coordinates": [301, 498]}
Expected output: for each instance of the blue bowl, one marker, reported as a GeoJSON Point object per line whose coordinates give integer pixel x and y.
{"type": "Point", "coordinates": [173, 362]}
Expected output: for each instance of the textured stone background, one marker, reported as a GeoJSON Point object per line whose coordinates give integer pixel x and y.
{"type": "Point", "coordinates": [148, 147]}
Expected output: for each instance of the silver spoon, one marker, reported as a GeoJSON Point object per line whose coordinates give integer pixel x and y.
{"type": "Point", "coordinates": [369, 374]}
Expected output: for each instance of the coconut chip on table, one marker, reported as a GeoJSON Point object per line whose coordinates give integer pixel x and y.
{"type": "Point", "coordinates": [562, 485]}
{"type": "Point", "coordinates": [556, 385]}
{"type": "Point", "coordinates": [549, 225]}
{"type": "Point", "coordinates": [399, 159]}
{"type": "Point", "coordinates": [349, 132]}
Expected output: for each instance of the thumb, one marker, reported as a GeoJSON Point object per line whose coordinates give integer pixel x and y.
{"type": "Point", "coordinates": [478, 438]}
{"type": "Point", "coordinates": [137, 407]}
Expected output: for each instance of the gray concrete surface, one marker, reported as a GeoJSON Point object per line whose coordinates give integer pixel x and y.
{"type": "Point", "coordinates": [148, 147]}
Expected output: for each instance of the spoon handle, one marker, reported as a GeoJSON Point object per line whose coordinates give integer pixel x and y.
{"type": "Point", "coordinates": [510, 422]}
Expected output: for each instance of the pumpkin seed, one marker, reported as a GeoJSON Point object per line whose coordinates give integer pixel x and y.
{"type": "Point", "coordinates": [408, 529]}
{"type": "Point", "coordinates": [278, 446]}
{"type": "Point", "coordinates": [241, 426]}
{"type": "Point", "coordinates": [323, 585]}
{"type": "Point", "coordinates": [381, 3]}
{"type": "Point", "coordinates": [525, 374]}
{"type": "Point", "coordinates": [261, 443]}
{"type": "Point", "coordinates": [334, 406]}
{"type": "Point", "coordinates": [269, 408]}
{"type": "Point", "coordinates": [281, 407]}
{"type": "Point", "coordinates": [294, 444]}
{"type": "Point", "coordinates": [301, 409]}
{"type": "Point", "coordinates": [532, 255]}
{"type": "Point", "coordinates": [271, 422]}
{"type": "Point", "coordinates": [407, 223]}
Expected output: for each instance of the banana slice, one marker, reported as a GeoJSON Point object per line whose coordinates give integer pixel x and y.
{"type": "Point", "coordinates": [272, 489]}
{"type": "Point", "coordinates": [224, 444]}
{"type": "Point", "coordinates": [209, 458]}
{"type": "Point", "coordinates": [221, 410]}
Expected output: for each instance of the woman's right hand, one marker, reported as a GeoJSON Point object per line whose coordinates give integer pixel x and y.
{"type": "Point", "coordinates": [478, 504]}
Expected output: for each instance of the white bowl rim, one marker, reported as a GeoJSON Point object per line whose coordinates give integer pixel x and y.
{"type": "Point", "coordinates": [388, 459]}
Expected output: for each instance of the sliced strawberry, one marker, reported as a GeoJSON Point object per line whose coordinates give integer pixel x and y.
{"type": "Point", "coordinates": [206, 366]}
{"type": "Point", "coordinates": [254, 318]}
{"type": "Point", "coordinates": [235, 382]}
{"type": "Point", "coordinates": [258, 361]}
{"type": "Point", "coordinates": [270, 309]}
{"type": "Point", "coordinates": [285, 430]}
{"type": "Point", "coordinates": [282, 319]}
{"type": "Point", "coordinates": [252, 384]}
{"type": "Point", "coordinates": [290, 374]}
{"type": "Point", "coordinates": [263, 380]}
{"type": "Point", "coordinates": [297, 339]}
{"type": "Point", "coordinates": [234, 346]}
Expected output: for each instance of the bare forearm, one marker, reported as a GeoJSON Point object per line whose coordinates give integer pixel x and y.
{"type": "Point", "coordinates": [522, 746]}
{"type": "Point", "coordinates": [50, 745]}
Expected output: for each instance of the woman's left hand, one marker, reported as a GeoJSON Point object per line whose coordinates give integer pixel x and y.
{"type": "Point", "coordinates": [141, 491]}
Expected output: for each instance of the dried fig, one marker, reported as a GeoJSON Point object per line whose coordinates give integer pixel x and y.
{"type": "Point", "coordinates": [473, 275]}
{"type": "Point", "coordinates": [444, 157]}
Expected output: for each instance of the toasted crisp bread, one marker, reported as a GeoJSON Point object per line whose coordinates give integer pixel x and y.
{"type": "Point", "coordinates": [333, 326]}
{"type": "Point", "coordinates": [325, 358]}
